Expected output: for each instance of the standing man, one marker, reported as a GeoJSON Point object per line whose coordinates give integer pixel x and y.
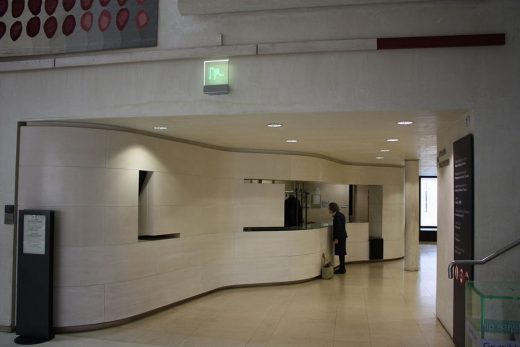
{"type": "Point", "coordinates": [339, 235]}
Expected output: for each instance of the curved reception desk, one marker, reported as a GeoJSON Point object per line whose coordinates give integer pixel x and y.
{"type": "Point", "coordinates": [142, 223]}
{"type": "Point", "coordinates": [357, 242]}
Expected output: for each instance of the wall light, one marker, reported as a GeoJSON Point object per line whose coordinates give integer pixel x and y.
{"type": "Point", "coordinates": [160, 128]}
{"type": "Point", "coordinates": [385, 150]}
{"type": "Point", "coordinates": [392, 140]}
{"type": "Point", "coordinates": [405, 122]}
{"type": "Point", "coordinates": [291, 141]}
{"type": "Point", "coordinates": [379, 158]}
{"type": "Point", "coordinates": [274, 125]}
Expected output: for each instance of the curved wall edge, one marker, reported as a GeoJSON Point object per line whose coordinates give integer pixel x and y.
{"type": "Point", "coordinates": [196, 143]}
{"type": "Point", "coordinates": [82, 328]}
{"type": "Point", "coordinates": [90, 327]}
{"type": "Point", "coordinates": [90, 177]}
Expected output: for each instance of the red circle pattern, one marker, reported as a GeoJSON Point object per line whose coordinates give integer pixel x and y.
{"type": "Point", "coordinates": [3, 29]}
{"type": "Point", "coordinates": [50, 26]}
{"type": "Point", "coordinates": [86, 4]}
{"type": "Point", "coordinates": [33, 26]}
{"type": "Point", "coordinates": [4, 4]}
{"type": "Point", "coordinates": [86, 21]}
{"type": "Point", "coordinates": [35, 6]}
{"type": "Point", "coordinates": [50, 6]}
{"type": "Point", "coordinates": [16, 30]}
{"type": "Point", "coordinates": [68, 26]}
{"type": "Point", "coordinates": [68, 5]}
{"type": "Point", "coordinates": [17, 7]}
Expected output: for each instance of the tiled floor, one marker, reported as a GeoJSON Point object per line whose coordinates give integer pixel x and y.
{"type": "Point", "coordinates": [375, 305]}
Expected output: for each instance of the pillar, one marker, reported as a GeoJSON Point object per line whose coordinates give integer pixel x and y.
{"type": "Point", "coordinates": [411, 193]}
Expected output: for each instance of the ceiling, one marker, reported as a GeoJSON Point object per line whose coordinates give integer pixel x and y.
{"type": "Point", "coordinates": [353, 137]}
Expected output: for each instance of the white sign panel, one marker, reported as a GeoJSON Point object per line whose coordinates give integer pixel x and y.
{"type": "Point", "coordinates": [34, 234]}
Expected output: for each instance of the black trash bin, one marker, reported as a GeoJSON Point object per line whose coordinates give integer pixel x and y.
{"type": "Point", "coordinates": [375, 248]}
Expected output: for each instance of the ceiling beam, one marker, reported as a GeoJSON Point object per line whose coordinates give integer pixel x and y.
{"type": "Point", "coordinates": [203, 7]}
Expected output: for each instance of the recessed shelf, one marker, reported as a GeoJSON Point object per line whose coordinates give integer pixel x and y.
{"type": "Point", "coordinates": [159, 237]}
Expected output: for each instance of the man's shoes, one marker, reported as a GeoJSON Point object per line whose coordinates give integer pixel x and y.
{"type": "Point", "coordinates": [339, 271]}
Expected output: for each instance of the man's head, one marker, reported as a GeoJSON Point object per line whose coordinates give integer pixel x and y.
{"type": "Point", "coordinates": [333, 208]}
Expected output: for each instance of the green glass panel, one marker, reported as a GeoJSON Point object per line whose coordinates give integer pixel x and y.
{"type": "Point", "coordinates": [492, 314]}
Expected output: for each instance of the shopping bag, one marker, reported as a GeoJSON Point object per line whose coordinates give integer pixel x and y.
{"type": "Point", "coordinates": [327, 270]}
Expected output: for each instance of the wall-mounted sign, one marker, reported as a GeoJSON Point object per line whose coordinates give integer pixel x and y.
{"type": "Point", "coordinates": [34, 234]}
{"type": "Point", "coordinates": [440, 161]}
{"type": "Point", "coordinates": [216, 77]}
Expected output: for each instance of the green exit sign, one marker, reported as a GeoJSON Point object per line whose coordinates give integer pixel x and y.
{"type": "Point", "coordinates": [216, 77]}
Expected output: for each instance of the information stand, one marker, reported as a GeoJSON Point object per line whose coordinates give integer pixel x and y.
{"type": "Point", "coordinates": [463, 230]}
{"type": "Point", "coordinates": [34, 299]}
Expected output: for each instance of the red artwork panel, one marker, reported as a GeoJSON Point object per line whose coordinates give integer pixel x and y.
{"type": "Point", "coordinates": [26, 26]}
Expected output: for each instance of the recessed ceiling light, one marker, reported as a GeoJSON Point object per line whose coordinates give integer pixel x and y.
{"type": "Point", "coordinates": [160, 128]}
{"type": "Point", "coordinates": [379, 158]}
{"type": "Point", "coordinates": [274, 125]}
{"type": "Point", "coordinates": [291, 141]}
{"type": "Point", "coordinates": [385, 150]}
{"type": "Point", "coordinates": [405, 122]}
{"type": "Point", "coordinates": [392, 140]}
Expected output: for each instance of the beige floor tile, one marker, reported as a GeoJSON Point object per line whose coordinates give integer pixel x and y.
{"type": "Point", "coordinates": [290, 342]}
{"type": "Point", "coordinates": [352, 332]}
{"type": "Point", "coordinates": [305, 329]}
{"type": "Point", "coordinates": [351, 344]}
{"type": "Point", "coordinates": [375, 304]}
{"type": "Point", "coordinates": [411, 340]}
{"type": "Point", "coordinates": [201, 341]}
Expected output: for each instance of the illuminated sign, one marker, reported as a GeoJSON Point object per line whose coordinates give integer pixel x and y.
{"type": "Point", "coordinates": [216, 77]}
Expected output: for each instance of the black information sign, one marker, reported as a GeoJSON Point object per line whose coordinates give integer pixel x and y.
{"type": "Point", "coordinates": [35, 277]}
{"type": "Point", "coordinates": [463, 230]}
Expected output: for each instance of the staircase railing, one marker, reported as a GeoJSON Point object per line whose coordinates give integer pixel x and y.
{"type": "Point", "coordinates": [483, 260]}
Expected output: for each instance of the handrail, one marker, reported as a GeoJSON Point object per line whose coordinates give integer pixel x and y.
{"type": "Point", "coordinates": [482, 261]}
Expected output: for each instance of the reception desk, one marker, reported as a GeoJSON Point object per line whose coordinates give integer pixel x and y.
{"type": "Point", "coordinates": [357, 242]}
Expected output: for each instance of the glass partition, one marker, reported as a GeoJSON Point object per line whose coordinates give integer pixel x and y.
{"type": "Point", "coordinates": [492, 314]}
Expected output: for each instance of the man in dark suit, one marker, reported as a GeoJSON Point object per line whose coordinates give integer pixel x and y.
{"type": "Point", "coordinates": [339, 235]}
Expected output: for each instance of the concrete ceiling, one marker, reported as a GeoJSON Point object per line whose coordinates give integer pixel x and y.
{"type": "Point", "coordinates": [354, 137]}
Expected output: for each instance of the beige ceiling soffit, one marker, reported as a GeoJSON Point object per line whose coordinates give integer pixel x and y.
{"type": "Point", "coordinates": [202, 7]}
{"type": "Point", "coordinates": [317, 46]}
{"type": "Point", "coordinates": [147, 56]}
{"type": "Point", "coordinates": [19, 65]}
{"type": "Point", "coordinates": [195, 143]}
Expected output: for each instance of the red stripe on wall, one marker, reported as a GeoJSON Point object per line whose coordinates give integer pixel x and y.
{"type": "Point", "coordinates": [441, 41]}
